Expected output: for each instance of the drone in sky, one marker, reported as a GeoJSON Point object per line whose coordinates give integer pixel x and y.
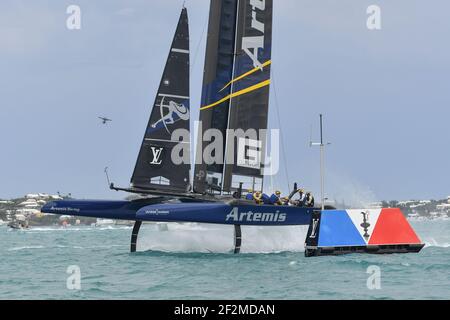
{"type": "Point", "coordinates": [104, 120]}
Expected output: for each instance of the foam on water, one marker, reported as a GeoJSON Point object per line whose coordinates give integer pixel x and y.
{"type": "Point", "coordinates": [26, 248]}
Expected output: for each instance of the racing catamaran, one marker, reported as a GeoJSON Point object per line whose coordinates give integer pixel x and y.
{"type": "Point", "coordinates": [233, 114]}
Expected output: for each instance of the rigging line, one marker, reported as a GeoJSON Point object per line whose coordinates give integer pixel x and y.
{"type": "Point", "coordinates": [199, 43]}
{"type": "Point", "coordinates": [192, 66]}
{"type": "Point", "coordinates": [283, 148]}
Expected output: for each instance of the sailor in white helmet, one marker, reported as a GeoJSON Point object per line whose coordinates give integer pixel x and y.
{"type": "Point", "coordinates": [302, 198]}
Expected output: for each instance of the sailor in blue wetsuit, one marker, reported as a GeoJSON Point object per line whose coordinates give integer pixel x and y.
{"type": "Point", "coordinates": [275, 199]}
{"type": "Point", "coordinates": [266, 199]}
{"type": "Point", "coordinates": [249, 195]}
{"type": "Point", "coordinates": [285, 201]}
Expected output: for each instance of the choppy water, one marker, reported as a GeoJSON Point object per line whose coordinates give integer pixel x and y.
{"type": "Point", "coordinates": [33, 265]}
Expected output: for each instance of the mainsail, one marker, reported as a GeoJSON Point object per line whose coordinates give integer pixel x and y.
{"type": "Point", "coordinates": [219, 61]}
{"type": "Point", "coordinates": [155, 168]}
{"type": "Point", "coordinates": [249, 106]}
{"type": "Point", "coordinates": [236, 89]}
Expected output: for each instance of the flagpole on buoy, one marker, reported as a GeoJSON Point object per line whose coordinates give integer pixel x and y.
{"type": "Point", "coordinates": [322, 145]}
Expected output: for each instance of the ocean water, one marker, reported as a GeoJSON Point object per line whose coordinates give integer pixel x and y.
{"type": "Point", "coordinates": [194, 262]}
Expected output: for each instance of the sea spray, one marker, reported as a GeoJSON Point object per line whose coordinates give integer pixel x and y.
{"type": "Point", "coordinates": [205, 238]}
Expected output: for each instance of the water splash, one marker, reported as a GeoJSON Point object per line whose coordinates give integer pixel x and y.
{"type": "Point", "coordinates": [348, 190]}
{"type": "Point", "coordinates": [204, 238]}
{"type": "Point", "coordinates": [431, 242]}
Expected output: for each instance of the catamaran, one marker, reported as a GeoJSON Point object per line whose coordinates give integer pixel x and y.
{"type": "Point", "coordinates": [234, 103]}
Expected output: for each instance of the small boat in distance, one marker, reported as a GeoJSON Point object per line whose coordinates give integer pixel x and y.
{"type": "Point", "coordinates": [19, 222]}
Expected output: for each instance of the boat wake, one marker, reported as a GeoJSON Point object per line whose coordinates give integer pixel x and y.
{"type": "Point", "coordinates": [431, 242]}
{"type": "Point", "coordinates": [204, 238]}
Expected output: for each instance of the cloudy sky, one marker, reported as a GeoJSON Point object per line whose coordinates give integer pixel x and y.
{"type": "Point", "coordinates": [385, 94]}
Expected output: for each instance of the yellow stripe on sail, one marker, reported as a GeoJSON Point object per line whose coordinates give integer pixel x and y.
{"type": "Point", "coordinates": [238, 93]}
{"type": "Point", "coordinates": [265, 64]}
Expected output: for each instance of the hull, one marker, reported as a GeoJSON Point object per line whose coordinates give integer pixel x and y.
{"type": "Point", "coordinates": [374, 231]}
{"type": "Point", "coordinates": [153, 210]}
{"type": "Point", "coordinates": [227, 214]}
{"type": "Point", "coordinates": [118, 210]}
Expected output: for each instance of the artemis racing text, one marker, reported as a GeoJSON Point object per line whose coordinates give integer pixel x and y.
{"type": "Point", "coordinates": [250, 216]}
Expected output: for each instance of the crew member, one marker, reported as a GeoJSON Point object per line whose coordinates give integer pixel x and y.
{"type": "Point", "coordinates": [257, 196]}
{"type": "Point", "coordinates": [266, 199]}
{"type": "Point", "coordinates": [302, 198]}
{"type": "Point", "coordinates": [275, 199]}
{"type": "Point", "coordinates": [309, 200]}
{"type": "Point", "coordinates": [285, 201]}
{"type": "Point", "coordinates": [249, 195]}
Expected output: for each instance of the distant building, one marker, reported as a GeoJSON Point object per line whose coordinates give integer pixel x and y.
{"type": "Point", "coordinates": [375, 205]}
{"type": "Point", "coordinates": [406, 203]}
{"type": "Point", "coordinates": [443, 207]}
{"type": "Point", "coordinates": [29, 203]}
{"type": "Point", "coordinates": [27, 212]}
{"type": "Point", "coordinates": [32, 196]}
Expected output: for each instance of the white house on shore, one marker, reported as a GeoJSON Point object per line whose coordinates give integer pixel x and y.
{"type": "Point", "coordinates": [29, 203]}
{"type": "Point", "coordinates": [43, 196]}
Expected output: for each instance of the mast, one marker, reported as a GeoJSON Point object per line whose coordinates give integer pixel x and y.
{"type": "Point", "coordinates": [322, 162]}
{"type": "Point", "coordinates": [155, 167]}
{"type": "Point", "coordinates": [218, 72]}
{"type": "Point", "coordinates": [224, 172]}
{"type": "Point", "coordinates": [249, 108]}
{"type": "Point", "coordinates": [235, 95]}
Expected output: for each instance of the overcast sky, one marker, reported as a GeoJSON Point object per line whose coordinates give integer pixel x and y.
{"type": "Point", "coordinates": [385, 94]}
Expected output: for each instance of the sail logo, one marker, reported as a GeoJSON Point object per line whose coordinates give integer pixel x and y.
{"type": "Point", "coordinates": [250, 216]}
{"type": "Point", "coordinates": [171, 112]}
{"type": "Point", "coordinates": [252, 44]}
{"type": "Point", "coordinates": [156, 154]}
{"type": "Point", "coordinates": [249, 153]}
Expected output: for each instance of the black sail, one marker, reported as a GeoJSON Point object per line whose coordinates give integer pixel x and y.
{"type": "Point", "coordinates": [250, 92]}
{"type": "Point", "coordinates": [218, 72]}
{"type": "Point", "coordinates": [155, 168]}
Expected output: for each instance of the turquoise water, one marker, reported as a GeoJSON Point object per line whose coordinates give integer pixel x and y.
{"type": "Point", "coordinates": [33, 265]}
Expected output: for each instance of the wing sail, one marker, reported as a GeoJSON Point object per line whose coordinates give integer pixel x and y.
{"type": "Point", "coordinates": [155, 168]}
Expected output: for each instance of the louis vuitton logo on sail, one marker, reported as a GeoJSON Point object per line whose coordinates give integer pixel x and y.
{"type": "Point", "coordinates": [156, 153]}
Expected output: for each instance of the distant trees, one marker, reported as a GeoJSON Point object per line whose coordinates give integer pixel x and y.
{"type": "Point", "coordinates": [390, 204]}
